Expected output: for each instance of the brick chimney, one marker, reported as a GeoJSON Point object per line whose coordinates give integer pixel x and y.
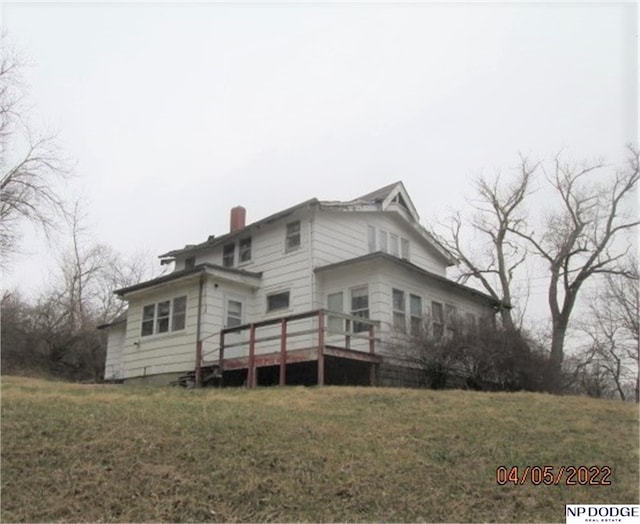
{"type": "Point", "coordinates": [237, 219]}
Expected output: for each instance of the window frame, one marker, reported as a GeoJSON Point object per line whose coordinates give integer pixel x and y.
{"type": "Point", "coordinates": [293, 238]}
{"type": "Point", "coordinates": [416, 318]}
{"type": "Point", "coordinates": [229, 250]}
{"type": "Point", "coordinates": [399, 310]}
{"type": "Point", "coordinates": [363, 312]}
{"type": "Point", "coordinates": [168, 318]}
{"type": "Point", "coordinates": [244, 250]}
{"type": "Point", "coordinates": [270, 296]}
{"type": "Point", "coordinates": [189, 262]}
{"type": "Point", "coordinates": [405, 248]}
{"type": "Point", "coordinates": [437, 320]}
{"type": "Point", "coordinates": [237, 317]}
{"type": "Point", "coordinates": [394, 245]}
{"type": "Point", "coordinates": [371, 238]}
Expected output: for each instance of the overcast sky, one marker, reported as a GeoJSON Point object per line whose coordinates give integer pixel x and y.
{"type": "Point", "coordinates": [176, 113]}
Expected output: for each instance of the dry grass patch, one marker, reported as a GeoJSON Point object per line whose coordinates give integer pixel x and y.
{"type": "Point", "coordinates": [116, 453]}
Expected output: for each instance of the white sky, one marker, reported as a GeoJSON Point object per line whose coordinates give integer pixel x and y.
{"type": "Point", "coordinates": [176, 113]}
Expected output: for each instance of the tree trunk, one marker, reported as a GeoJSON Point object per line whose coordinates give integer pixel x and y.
{"type": "Point", "coordinates": [553, 380]}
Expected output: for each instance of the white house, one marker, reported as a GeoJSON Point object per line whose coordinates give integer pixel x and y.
{"type": "Point", "coordinates": [261, 304]}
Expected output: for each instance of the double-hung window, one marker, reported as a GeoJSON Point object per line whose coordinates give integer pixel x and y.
{"type": "Point", "coordinates": [415, 310]}
{"type": "Point", "coordinates": [404, 247]}
{"type": "Point", "coordinates": [383, 241]}
{"type": "Point", "coordinates": [228, 253]}
{"type": "Point", "coordinates": [360, 307]}
{"type": "Point", "coordinates": [234, 313]}
{"type": "Point", "coordinates": [399, 316]}
{"type": "Point", "coordinates": [437, 319]}
{"type": "Point", "coordinates": [165, 316]}
{"type": "Point", "coordinates": [179, 314]}
{"type": "Point", "coordinates": [451, 319]}
{"type": "Point", "coordinates": [244, 250]}
{"type": "Point", "coordinates": [394, 248]}
{"type": "Point", "coordinates": [371, 238]}
{"type": "Point", "coordinates": [292, 240]}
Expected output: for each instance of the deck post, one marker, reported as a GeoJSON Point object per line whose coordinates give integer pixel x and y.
{"type": "Point", "coordinates": [372, 349]}
{"type": "Point", "coordinates": [198, 377]}
{"type": "Point", "coordinates": [221, 357]}
{"type": "Point", "coordinates": [321, 348]}
{"type": "Point", "coordinates": [283, 353]}
{"type": "Point", "coordinates": [251, 368]}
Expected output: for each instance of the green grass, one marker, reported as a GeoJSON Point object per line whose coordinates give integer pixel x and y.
{"type": "Point", "coordinates": [118, 453]}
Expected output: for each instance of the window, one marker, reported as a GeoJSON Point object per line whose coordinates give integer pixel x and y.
{"type": "Point", "coordinates": [383, 241]}
{"type": "Point", "coordinates": [162, 316]}
{"type": "Point", "coordinates": [190, 262]}
{"type": "Point", "coordinates": [371, 238]}
{"type": "Point", "coordinates": [293, 235]}
{"type": "Point", "coordinates": [228, 252]}
{"type": "Point", "coordinates": [278, 301]}
{"type": "Point", "coordinates": [415, 310]}
{"type": "Point", "coordinates": [179, 313]}
{"type": "Point", "coordinates": [234, 313]}
{"type": "Point", "coordinates": [360, 307]}
{"type": "Point", "coordinates": [451, 319]}
{"type": "Point", "coordinates": [437, 318]}
{"type": "Point", "coordinates": [404, 244]}
{"type": "Point", "coordinates": [335, 303]}
{"type": "Point", "coordinates": [399, 316]}
{"type": "Point", "coordinates": [244, 254]}
{"type": "Point", "coordinates": [393, 245]}
{"type": "Point", "coordinates": [156, 317]}
{"type": "Point", "coordinates": [148, 314]}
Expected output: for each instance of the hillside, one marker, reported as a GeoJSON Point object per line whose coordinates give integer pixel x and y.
{"type": "Point", "coordinates": [117, 453]}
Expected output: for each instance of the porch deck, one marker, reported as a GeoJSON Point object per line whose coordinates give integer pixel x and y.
{"type": "Point", "coordinates": [357, 348]}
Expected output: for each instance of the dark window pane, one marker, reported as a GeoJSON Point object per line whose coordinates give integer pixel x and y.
{"type": "Point", "coordinates": [245, 249]}
{"type": "Point", "coordinates": [278, 301]}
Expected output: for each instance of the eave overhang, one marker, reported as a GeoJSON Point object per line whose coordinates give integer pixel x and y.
{"type": "Point", "coordinates": [249, 279]}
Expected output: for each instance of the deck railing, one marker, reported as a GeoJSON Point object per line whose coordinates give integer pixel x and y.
{"type": "Point", "coordinates": [354, 327]}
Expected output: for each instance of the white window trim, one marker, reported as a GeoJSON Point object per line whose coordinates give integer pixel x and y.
{"type": "Point", "coordinates": [402, 311]}
{"type": "Point", "coordinates": [170, 331]}
{"type": "Point", "coordinates": [280, 309]}
{"type": "Point", "coordinates": [288, 249]}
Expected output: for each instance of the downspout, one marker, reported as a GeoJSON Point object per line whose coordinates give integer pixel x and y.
{"type": "Point", "coordinates": [198, 341]}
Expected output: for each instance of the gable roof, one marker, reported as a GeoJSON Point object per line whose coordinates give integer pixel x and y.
{"type": "Point", "coordinates": [392, 197]}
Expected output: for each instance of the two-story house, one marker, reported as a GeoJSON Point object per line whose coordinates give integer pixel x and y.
{"type": "Point", "coordinates": [312, 294]}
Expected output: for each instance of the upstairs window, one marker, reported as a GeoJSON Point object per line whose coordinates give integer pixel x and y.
{"type": "Point", "coordinates": [360, 307]}
{"type": "Point", "coordinates": [394, 248]}
{"type": "Point", "coordinates": [383, 241]}
{"type": "Point", "coordinates": [404, 246]}
{"type": "Point", "coordinates": [190, 262]}
{"type": "Point", "coordinates": [292, 240]}
{"type": "Point", "coordinates": [244, 248]}
{"type": "Point", "coordinates": [399, 316]}
{"type": "Point", "coordinates": [228, 253]}
{"type": "Point", "coordinates": [371, 238]}
{"type": "Point", "coordinates": [277, 301]}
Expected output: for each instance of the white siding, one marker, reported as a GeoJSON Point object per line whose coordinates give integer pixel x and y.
{"type": "Point", "coordinates": [342, 235]}
{"type": "Point", "coordinates": [166, 352]}
{"type": "Point", "coordinates": [114, 364]}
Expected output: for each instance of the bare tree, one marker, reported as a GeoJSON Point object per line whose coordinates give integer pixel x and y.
{"type": "Point", "coordinates": [578, 240]}
{"type": "Point", "coordinates": [496, 210]}
{"type": "Point", "coordinates": [611, 325]}
{"type": "Point", "coordinates": [30, 163]}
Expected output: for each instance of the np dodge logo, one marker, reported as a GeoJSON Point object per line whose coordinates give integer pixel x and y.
{"type": "Point", "coordinates": [601, 513]}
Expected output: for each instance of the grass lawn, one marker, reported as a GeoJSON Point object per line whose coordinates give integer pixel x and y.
{"type": "Point", "coordinates": [132, 454]}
